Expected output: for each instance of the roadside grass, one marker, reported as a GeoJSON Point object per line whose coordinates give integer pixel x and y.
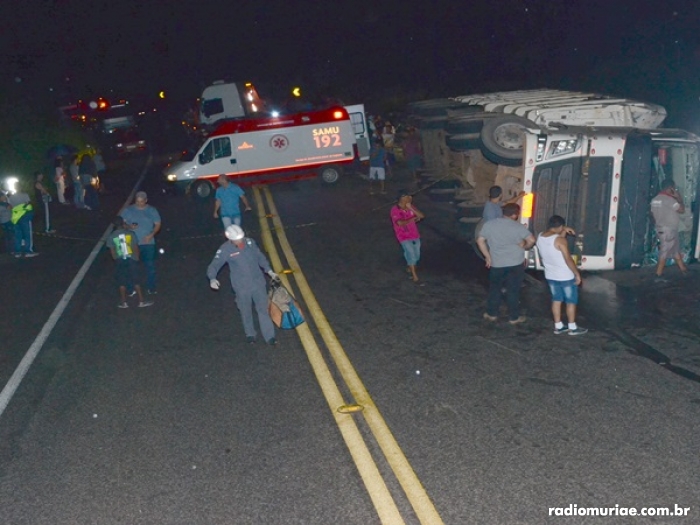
{"type": "Point", "coordinates": [26, 138]}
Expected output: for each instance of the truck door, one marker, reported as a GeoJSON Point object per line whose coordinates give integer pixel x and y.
{"type": "Point", "coordinates": [359, 127]}
{"type": "Point", "coordinates": [217, 157]}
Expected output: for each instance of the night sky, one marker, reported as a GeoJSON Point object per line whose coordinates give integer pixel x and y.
{"type": "Point", "coordinates": [358, 50]}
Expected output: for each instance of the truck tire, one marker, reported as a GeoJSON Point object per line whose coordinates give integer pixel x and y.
{"type": "Point", "coordinates": [503, 139]}
{"type": "Point", "coordinates": [202, 189]}
{"type": "Point", "coordinates": [330, 174]}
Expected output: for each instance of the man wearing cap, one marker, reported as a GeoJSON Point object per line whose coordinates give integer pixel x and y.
{"type": "Point", "coordinates": [245, 262]}
{"type": "Point", "coordinates": [144, 220]}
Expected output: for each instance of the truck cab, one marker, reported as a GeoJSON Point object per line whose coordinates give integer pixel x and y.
{"type": "Point", "coordinates": [602, 180]}
{"type": "Point", "coordinates": [228, 100]}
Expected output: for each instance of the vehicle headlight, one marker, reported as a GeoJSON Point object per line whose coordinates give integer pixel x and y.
{"type": "Point", "coordinates": [120, 145]}
{"type": "Point", "coordinates": [11, 184]}
{"type": "Point", "coordinates": [563, 147]}
{"type": "Point", "coordinates": [171, 177]}
{"type": "Point", "coordinates": [142, 142]}
{"type": "Point", "coordinates": [541, 144]}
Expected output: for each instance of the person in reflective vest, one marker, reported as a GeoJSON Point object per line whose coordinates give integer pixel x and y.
{"type": "Point", "coordinates": [22, 216]}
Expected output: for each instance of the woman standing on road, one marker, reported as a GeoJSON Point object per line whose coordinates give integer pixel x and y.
{"type": "Point", "coordinates": [42, 197]}
{"type": "Point", "coordinates": [78, 192]}
{"type": "Point", "coordinates": [88, 171]}
{"type": "Point", "coordinates": [59, 179]}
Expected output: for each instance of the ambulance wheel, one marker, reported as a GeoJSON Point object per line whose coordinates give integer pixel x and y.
{"type": "Point", "coordinates": [330, 174]}
{"type": "Point", "coordinates": [202, 189]}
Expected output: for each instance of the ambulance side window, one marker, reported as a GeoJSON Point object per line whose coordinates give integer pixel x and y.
{"type": "Point", "coordinates": [216, 149]}
{"type": "Point", "coordinates": [222, 147]}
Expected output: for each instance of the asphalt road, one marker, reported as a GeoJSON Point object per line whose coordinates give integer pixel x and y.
{"type": "Point", "coordinates": [165, 415]}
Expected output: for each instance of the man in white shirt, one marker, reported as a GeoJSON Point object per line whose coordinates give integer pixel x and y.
{"type": "Point", "coordinates": [561, 273]}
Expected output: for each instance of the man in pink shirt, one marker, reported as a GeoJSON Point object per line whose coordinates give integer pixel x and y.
{"type": "Point", "coordinates": [404, 217]}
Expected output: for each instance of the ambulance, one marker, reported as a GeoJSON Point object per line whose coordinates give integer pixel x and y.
{"type": "Point", "coordinates": [270, 149]}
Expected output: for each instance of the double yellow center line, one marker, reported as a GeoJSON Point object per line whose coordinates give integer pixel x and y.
{"type": "Point", "coordinates": [342, 411]}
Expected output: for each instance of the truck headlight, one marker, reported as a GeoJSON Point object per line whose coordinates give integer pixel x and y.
{"type": "Point", "coordinates": [563, 147]}
{"type": "Point", "coordinates": [171, 177]}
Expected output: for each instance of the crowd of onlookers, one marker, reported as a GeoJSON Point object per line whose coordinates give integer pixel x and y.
{"type": "Point", "coordinates": [77, 182]}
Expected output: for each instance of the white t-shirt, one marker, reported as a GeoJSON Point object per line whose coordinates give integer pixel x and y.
{"type": "Point", "coordinates": [555, 268]}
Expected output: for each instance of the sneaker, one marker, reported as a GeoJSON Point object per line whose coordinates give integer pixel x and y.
{"type": "Point", "coordinates": [272, 341]}
{"type": "Point", "coordinates": [31, 254]}
{"type": "Point", "coordinates": [561, 330]}
{"type": "Point", "coordinates": [131, 293]}
{"type": "Point", "coordinates": [578, 331]}
{"type": "Point", "coordinates": [17, 255]}
{"type": "Point", "coordinates": [519, 320]}
{"type": "Point", "coordinates": [490, 317]}
{"type": "Point", "coordinates": [123, 305]}
{"type": "Point", "coordinates": [152, 292]}
{"type": "Point", "coordinates": [144, 304]}
{"type": "Point", "coordinates": [250, 339]}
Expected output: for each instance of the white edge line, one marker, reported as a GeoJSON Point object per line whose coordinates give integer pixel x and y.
{"type": "Point", "coordinates": [13, 384]}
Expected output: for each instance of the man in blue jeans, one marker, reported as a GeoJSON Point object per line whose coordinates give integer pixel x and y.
{"type": "Point", "coordinates": [503, 242]}
{"type": "Point", "coordinates": [144, 220]}
{"type": "Point", "coordinates": [561, 273]}
{"type": "Point", "coordinates": [22, 217]}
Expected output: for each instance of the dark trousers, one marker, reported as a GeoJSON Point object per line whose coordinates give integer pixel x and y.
{"type": "Point", "coordinates": [9, 233]}
{"type": "Point", "coordinates": [512, 278]}
{"type": "Point", "coordinates": [148, 257]}
{"type": "Point", "coordinates": [23, 234]}
{"type": "Point", "coordinates": [46, 219]}
{"type": "Point", "coordinates": [92, 200]}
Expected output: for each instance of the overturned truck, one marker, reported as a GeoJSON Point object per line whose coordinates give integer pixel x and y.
{"type": "Point", "coordinates": [597, 161]}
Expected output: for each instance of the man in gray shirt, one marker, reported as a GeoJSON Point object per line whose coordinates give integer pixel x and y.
{"type": "Point", "coordinates": [493, 209]}
{"type": "Point", "coordinates": [503, 241]}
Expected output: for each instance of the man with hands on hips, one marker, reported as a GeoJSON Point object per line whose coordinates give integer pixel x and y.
{"type": "Point", "coordinates": [245, 262]}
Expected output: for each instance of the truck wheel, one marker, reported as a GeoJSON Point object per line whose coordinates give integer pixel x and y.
{"type": "Point", "coordinates": [202, 189]}
{"type": "Point", "coordinates": [330, 174]}
{"type": "Point", "coordinates": [504, 138]}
